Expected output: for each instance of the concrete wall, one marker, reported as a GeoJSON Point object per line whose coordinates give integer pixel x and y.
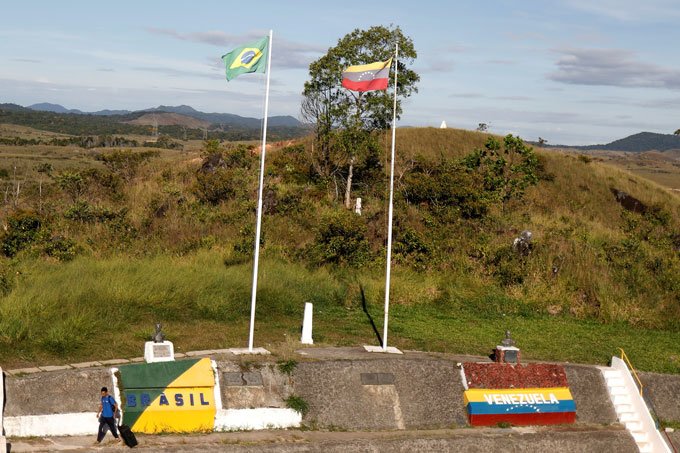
{"type": "Point", "coordinates": [385, 393]}
{"type": "Point", "coordinates": [56, 392]}
{"type": "Point", "coordinates": [253, 385]}
{"type": "Point", "coordinates": [590, 395]}
{"type": "Point", "coordinates": [391, 394]}
{"type": "Point", "coordinates": [663, 392]}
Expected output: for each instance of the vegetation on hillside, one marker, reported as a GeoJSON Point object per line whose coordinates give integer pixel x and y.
{"type": "Point", "coordinates": [105, 248]}
{"type": "Point", "coordinates": [86, 125]}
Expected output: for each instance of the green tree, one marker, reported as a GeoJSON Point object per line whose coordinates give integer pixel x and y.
{"type": "Point", "coordinates": [329, 106]}
{"type": "Point", "coordinates": [507, 169]}
{"type": "Point", "coordinates": [125, 162]}
{"type": "Point", "coordinates": [73, 184]}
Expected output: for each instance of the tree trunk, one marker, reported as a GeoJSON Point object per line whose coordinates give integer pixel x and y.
{"type": "Point", "coordinates": [348, 189]}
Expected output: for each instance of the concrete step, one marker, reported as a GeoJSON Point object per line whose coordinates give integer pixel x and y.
{"type": "Point", "coordinates": [633, 426]}
{"type": "Point", "coordinates": [618, 391]}
{"type": "Point", "coordinates": [621, 399]}
{"type": "Point", "coordinates": [615, 382]}
{"type": "Point", "coordinates": [645, 447]}
{"type": "Point", "coordinates": [611, 373]}
{"type": "Point", "coordinates": [629, 417]}
{"type": "Point", "coordinates": [640, 437]}
{"type": "Point", "coordinates": [623, 408]}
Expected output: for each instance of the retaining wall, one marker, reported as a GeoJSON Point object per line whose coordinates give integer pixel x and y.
{"type": "Point", "coordinates": [413, 391]}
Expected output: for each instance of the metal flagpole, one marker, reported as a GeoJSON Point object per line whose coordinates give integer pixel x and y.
{"type": "Point", "coordinates": [389, 227]}
{"type": "Point", "coordinates": [259, 198]}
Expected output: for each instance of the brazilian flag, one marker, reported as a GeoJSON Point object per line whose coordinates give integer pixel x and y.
{"type": "Point", "coordinates": [249, 58]}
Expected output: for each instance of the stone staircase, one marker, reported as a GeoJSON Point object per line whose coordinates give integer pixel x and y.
{"type": "Point", "coordinates": [631, 408]}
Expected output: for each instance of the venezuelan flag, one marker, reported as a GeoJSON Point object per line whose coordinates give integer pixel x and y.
{"type": "Point", "coordinates": [367, 77]}
{"type": "Point", "coordinates": [530, 406]}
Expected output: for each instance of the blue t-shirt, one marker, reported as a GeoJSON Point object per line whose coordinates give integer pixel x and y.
{"type": "Point", "coordinates": [107, 406]}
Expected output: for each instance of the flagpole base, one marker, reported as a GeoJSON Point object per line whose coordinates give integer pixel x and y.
{"type": "Point", "coordinates": [388, 350]}
{"type": "Point", "coordinates": [245, 351]}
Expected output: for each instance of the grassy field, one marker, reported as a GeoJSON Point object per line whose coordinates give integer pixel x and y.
{"type": "Point", "coordinates": [134, 248]}
{"type": "Point", "coordinates": [105, 309]}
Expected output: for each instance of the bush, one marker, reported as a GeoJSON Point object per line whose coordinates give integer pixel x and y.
{"type": "Point", "coordinates": [22, 230]}
{"type": "Point", "coordinates": [298, 404]}
{"type": "Point", "coordinates": [6, 281]}
{"type": "Point", "coordinates": [341, 239]}
{"type": "Point", "coordinates": [61, 248]}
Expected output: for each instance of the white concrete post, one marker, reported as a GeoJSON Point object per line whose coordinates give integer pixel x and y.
{"type": "Point", "coordinates": [307, 325]}
{"type": "Point", "coordinates": [357, 207]}
{"type": "Point", "coordinates": [3, 441]}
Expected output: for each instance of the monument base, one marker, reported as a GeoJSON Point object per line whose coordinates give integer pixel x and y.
{"type": "Point", "coordinates": [159, 352]}
{"type": "Point", "coordinates": [507, 354]}
{"type": "Point", "coordinates": [388, 350]}
{"type": "Point", "coordinates": [243, 351]}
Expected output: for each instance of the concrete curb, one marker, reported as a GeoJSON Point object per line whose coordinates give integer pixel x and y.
{"type": "Point", "coordinates": [104, 363]}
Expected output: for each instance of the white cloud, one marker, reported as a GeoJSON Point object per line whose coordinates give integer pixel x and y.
{"type": "Point", "coordinates": [611, 67]}
{"type": "Point", "coordinates": [631, 10]}
{"type": "Point", "coordinates": [287, 54]}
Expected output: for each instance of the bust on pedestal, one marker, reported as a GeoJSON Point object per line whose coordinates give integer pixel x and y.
{"type": "Point", "coordinates": [507, 352]}
{"type": "Point", "coordinates": [158, 350]}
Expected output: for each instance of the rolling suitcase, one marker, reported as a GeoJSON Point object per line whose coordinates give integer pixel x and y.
{"type": "Point", "coordinates": [127, 435]}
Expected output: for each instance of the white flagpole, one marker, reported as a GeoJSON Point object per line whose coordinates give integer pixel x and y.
{"type": "Point", "coordinates": [253, 293]}
{"type": "Point", "coordinates": [389, 227]}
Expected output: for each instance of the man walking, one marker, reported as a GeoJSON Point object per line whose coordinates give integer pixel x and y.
{"type": "Point", "coordinates": [106, 414]}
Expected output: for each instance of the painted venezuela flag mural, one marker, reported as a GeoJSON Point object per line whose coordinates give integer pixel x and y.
{"type": "Point", "coordinates": [168, 396]}
{"type": "Point", "coordinates": [533, 394]}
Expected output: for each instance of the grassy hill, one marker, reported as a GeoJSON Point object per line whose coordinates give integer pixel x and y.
{"type": "Point", "coordinates": [109, 242]}
{"type": "Point", "coordinates": [641, 142]}
{"type": "Point", "coordinates": [192, 126]}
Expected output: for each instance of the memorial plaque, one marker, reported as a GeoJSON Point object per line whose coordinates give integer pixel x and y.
{"type": "Point", "coordinates": [161, 350]}
{"type": "Point", "coordinates": [377, 378]}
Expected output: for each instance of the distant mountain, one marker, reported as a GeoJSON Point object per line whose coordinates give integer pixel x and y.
{"type": "Point", "coordinates": [182, 122]}
{"type": "Point", "coordinates": [111, 112]}
{"type": "Point", "coordinates": [12, 107]}
{"type": "Point", "coordinates": [55, 108]}
{"type": "Point", "coordinates": [227, 119]}
{"type": "Point", "coordinates": [169, 119]}
{"type": "Point", "coordinates": [637, 143]}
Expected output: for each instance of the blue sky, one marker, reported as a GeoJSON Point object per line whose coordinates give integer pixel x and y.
{"type": "Point", "coordinates": [570, 71]}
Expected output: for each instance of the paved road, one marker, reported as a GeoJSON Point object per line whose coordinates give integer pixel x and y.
{"type": "Point", "coordinates": [530, 439]}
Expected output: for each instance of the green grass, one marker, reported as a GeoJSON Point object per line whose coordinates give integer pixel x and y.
{"type": "Point", "coordinates": [163, 260]}
{"type": "Point", "coordinates": [99, 309]}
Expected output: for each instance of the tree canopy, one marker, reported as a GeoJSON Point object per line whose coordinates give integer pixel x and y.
{"type": "Point", "coordinates": [327, 104]}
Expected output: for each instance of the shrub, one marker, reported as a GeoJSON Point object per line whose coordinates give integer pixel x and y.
{"type": "Point", "coordinates": [6, 281]}
{"type": "Point", "coordinates": [73, 184]}
{"type": "Point", "coordinates": [126, 163]}
{"type": "Point", "coordinates": [287, 366]}
{"type": "Point", "coordinates": [22, 230]}
{"type": "Point", "coordinates": [61, 248]}
{"type": "Point", "coordinates": [341, 239]}
{"type": "Point", "coordinates": [410, 247]}
{"type": "Point", "coordinates": [298, 404]}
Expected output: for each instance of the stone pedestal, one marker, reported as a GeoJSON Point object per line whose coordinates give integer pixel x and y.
{"type": "Point", "coordinates": [507, 354]}
{"type": "Point", "coordinates": [159, 351]}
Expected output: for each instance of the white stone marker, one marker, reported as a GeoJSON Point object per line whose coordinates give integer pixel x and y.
{"type": "Point", "coordinates": [159, 352]}
{"type": "Point", "coordinates": [307, 325]}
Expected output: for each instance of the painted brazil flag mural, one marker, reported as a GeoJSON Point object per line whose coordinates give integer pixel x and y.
{"type": "Point", "coordinates": [168, 396]}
